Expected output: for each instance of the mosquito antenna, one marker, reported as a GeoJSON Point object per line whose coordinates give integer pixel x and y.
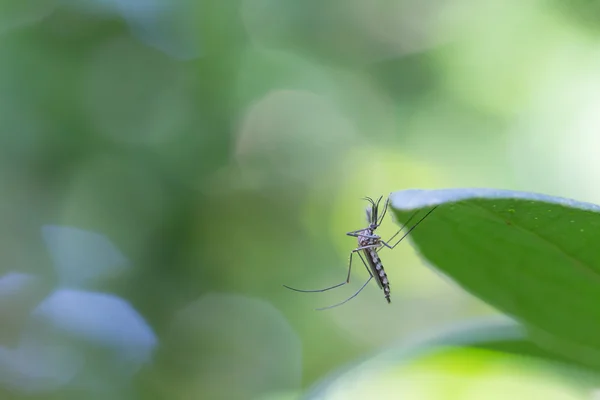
{"type": "Point", "coordinates": [384, 211]}
{"type": "Point", "coordinates": [375, 212]}
{"type": "Point", "coordinates": [370, 200]}
{"type": "Point", "coordinates": [349, 298]}
{"type": "Point", "coordinates": [372, 212]}
{"type": "Point", "coordinates": [413, 227]}
{"type": "Point", "coordinates": [377, 208]}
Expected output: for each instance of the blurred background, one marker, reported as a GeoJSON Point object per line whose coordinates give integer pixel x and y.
{"type": "Point", "coordinates": [167, 165]}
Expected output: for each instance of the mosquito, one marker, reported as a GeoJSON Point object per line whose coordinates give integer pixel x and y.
{"type": "Point", "coordinates": [369, 244]}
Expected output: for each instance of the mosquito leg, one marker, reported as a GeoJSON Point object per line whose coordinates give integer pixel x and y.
{"type": "Point", "coordinates": [384, 244]}
{"type": "Point", "coordinates": [349, 268]}
{"type": "Point", "coordinates": [403, 226]}
{"type": "Point", "coordinates": [330, 287]}
{"type": "Point", "coordinates": [359, 290]}
{"type": "Point", "coordinates": [343, 283]}
{"type": "Point", "coordinates": [365, 264]}
{"type": "Point", "coordinates": [357, 250]}
{"type": "Point", "coordinates": [349, 298]}
{"type": "Point", "coordinates": [409, 231]}
{"type": "Point", "coordinates": [366, 235]}
{"type": "Point", "coordinates": [356, 233]}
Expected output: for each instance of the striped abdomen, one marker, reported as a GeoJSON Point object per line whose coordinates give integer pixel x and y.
{"type": "Point", "coordinates": [378, 272]}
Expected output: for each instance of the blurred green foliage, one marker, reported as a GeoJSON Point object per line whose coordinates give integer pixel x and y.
{"type": "Point", "coordinates": [223, 147]}
{"type": "Point", "coordinates": [483, 358]}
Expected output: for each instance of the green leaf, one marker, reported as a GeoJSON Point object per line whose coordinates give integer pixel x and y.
{"type": "Point", "coordinates": [532, 256]}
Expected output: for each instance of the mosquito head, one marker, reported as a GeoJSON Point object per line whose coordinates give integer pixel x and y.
{"type": "Point", "coordinates": [372, 212]}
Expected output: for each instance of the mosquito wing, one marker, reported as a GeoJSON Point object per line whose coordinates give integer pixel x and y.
{"type": "Point", "coordinates": [372, 264]}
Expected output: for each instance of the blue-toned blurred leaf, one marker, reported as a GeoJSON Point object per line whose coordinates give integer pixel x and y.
{"type": "Point", "coordinates": [82, 257]}
{"type": "Point", "coordinates": [532, 256]}
{"type": "Point", "coordinates": [14, 284]}
{"type": "Point", "coordinates": [94, 342]}
{"type": "Point", "coordinates": [100, 320]}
